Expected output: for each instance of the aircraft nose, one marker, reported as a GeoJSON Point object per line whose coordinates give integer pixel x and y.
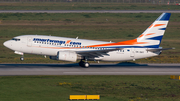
{"type": "Point", "coordinates": [6, 43]}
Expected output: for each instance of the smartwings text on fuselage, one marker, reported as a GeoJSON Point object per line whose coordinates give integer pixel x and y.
{"type": "Point", "coordinates": [57, 41]}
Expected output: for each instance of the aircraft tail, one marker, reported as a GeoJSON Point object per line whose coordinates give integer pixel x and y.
{"type": "Point", "coordinates": [152, 36]}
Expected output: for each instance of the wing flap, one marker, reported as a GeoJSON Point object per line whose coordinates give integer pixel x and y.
{"type": "Point", "coordinates": [96, 53]}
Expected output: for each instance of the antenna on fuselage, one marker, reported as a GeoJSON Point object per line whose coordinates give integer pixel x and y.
{"type": "Point", "coordinates": [77, 37]}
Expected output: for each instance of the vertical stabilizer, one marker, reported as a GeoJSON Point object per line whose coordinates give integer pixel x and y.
{"type": "Point", "coordinates": [152, 36]}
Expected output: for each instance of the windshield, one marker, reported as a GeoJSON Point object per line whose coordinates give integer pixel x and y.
{"type": "Point", "coordinates": [16, 39]}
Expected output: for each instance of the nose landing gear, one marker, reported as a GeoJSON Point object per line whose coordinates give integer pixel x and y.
{"type": "Point", "coordinates": [22, 58]}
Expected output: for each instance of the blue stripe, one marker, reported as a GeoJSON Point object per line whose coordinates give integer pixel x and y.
{"type": "Point", "coordinates": [156, 38]}
{"type": "Point", "coordinates": [162, 28]}
{"type": "Point", "coordinates": [164, 17]}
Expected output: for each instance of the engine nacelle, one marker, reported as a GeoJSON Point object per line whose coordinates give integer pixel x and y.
{"type": "Point", "coordinates": [67, 56]}
{"type": "Point", "coordinates": [53, 57]}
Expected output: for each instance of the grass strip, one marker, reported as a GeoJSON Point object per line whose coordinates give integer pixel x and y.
{"type": "Point", "coordinates": [116, 88]}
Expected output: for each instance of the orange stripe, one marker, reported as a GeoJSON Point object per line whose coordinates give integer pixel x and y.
{"type": "Point", "coordinates": [141, 35]}
{"type": "Point", "coordinates": [129, 42]}
{"type": "Point", "coordinates": [146, 35]}
{"type": "Point", "coordinates": [158, 25]}
{"type": "Point", "coordinates": [150, 25]}
{"type": "Point", "coordinates": [150, 34]}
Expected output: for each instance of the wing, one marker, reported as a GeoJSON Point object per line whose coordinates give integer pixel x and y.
{"type": "Point", "coordinates": [96, 53]}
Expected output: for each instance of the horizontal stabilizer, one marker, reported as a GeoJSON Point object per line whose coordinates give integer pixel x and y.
{"type": "Point", "coordinates": [159, 49]}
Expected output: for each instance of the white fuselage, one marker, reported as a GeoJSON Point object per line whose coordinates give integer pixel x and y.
{"type": "Point", "coordinates": [50, 45]}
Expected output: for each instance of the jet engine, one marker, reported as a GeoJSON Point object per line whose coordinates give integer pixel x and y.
{"type": "Point", "coordinates": [65, 56]}
{"type": "Point", "coordinates": [53, 57]}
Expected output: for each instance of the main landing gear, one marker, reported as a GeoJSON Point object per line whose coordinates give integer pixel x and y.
{"type": "Point", "coordinates": [84, 64]}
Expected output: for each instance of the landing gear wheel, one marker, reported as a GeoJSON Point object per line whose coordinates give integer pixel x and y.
{"type": "Point", "coordinates": [86, 64]}
{"type": "Point", "coordinates": [22, 58]}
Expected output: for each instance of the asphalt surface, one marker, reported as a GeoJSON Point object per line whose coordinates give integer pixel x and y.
{"type": "Point", "coordinates": [89, 11]}
{"type": "Point", "coordinates": [94, 69]}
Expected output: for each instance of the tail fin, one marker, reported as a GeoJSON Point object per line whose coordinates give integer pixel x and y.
{"type": "Point", "coordinates": [153, 35]}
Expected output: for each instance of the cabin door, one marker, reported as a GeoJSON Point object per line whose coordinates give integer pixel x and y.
{"type": "Point", "coordinates": [132, 53]}
{"type": "Point", "coordinates": [29, 41]}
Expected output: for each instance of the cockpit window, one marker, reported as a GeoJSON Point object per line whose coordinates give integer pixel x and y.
{"type": "Point", "coordinates": [16, 39]}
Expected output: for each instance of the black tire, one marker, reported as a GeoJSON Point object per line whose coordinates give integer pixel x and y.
{"type": "Point", "coordinates": [21, 58]}
{"type": "Point", "coordinates": [86, 64]}
{"type": "Point", "coordinates": [81, 63]}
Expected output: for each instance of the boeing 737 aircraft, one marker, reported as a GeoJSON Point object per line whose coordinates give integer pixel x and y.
{"type": "Point", "coordinates": [73, 49]}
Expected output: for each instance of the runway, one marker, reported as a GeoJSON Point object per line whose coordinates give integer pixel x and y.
{"type": "Point", "coordinates": [94, 69]}
{"type": "Point", "coordinates": [89, 11]}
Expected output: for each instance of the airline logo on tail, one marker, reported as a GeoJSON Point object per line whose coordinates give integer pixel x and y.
{"type": "Point", "coordinates": [154, 33]}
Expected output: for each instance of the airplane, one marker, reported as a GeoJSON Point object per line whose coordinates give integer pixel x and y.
{"type": "Point", "coordinates": [73, 49]}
